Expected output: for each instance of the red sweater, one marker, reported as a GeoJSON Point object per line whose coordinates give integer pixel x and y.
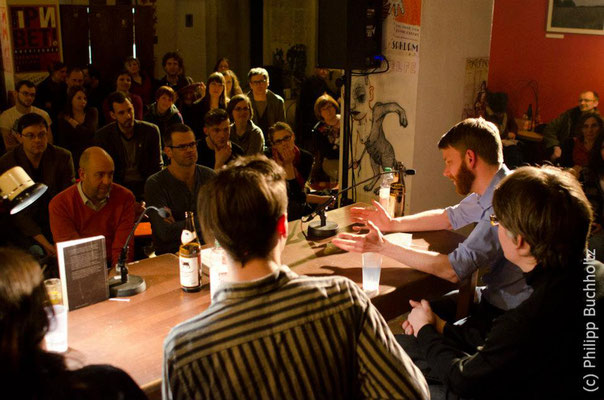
{"type": "Point", "coordinates": [71, 219]}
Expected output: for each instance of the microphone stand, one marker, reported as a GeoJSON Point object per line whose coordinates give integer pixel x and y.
{"type": "Point", "coordinates": [124, 285]}
{"type": "Point", "coordinates": [324, 228]}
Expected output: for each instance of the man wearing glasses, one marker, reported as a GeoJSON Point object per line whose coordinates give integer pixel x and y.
{"type": "Point", "coordinates": [44, 163]}
{"type": "Point", "coordinates": [26, 94]}
{"type": "Point", "coordinates": [268, 107]}
{"type": "Point", "coordinates": [559, 133]}
{"type": "Point", "coordinates": [175, 188]}
{"type": "Point", "coordinates": [473, 159]}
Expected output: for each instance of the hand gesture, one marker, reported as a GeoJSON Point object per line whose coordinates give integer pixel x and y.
{"type": "Point", "coordinates": [420, 316]}
{"type": "Point", "coordinates": [379, 216]}
{"type": "Point", "coordinates": [557, 153]}
{"type": "Point", "coordinates": [371, 242]}
{"type": "Point", "coordinates": [201, 90]}
{"type": "Point", "coordinates": [287, 155]}
{"type": "Point", "coordinates": [595, 228]}
{"type": "Point", "coordinates": [223, 155]}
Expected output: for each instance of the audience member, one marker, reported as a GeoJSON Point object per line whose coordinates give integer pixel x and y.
{"type": "Point", "coordinates": [26, 94]}
{"type": "Point", "coordinates": [77, 124]}
{"type": "Point", "coordinates": [27, 369]}
{"type": "Point", "coordinates": [591, 178]}
{"type": "Point", "coordinates": [496, 111]}
{"type": "Point", "coordinates": [216, 150]}
{"type": "Point", "coordinates": [543, 218]}
{"type": "Point", "coordinates": [306, 117]}
{"type": "Point", "coordinates": [589, 127]}
{"type": "Point", "coordinates": [187, 97]}
{"type": "Point", "coordinates": [232, 84]}
{"type": "Point", "coordinates": [258, 338]}
{"type": "Point", "coordinates": [133, 145]}
{"type": "Point", "coordinates": [243, 131]}
{"type": "Point", "coordinates": [163, 112]}
{"type": "Point", "coordinates": [268, 107]}
{"type": "Point", "coordinates": [215, 98]}
{"type": "Point", "coordinates": [52, 90]}
{"type": "Point", "coordinates": [222, 65]}
{"type": "Point", "coordinates": [474, 162]}
{"type": "Point", "coordinates": [122, 84]}
{"type": "Point", "coordinates": [96, 90]}
{"type": "Point", "coordinates": [44, 163]}
{"type": "Point", "coordinates": [176, 187]}
{"type": "Point", "coordinates": [175, 72]}
{"type": "Point", "coordinates": [142, 84]}
{"type": "Point", "coordinates": [559, 131]}
{"type": "Point", "coordinates": [94, 206]}
{"type": "Point", "coordinates": [326, 135]}
{"type": "Point", "coordinates": [75, 77]}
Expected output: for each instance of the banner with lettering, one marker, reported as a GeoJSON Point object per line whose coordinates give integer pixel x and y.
{"type": "Point", "coordinates": [35, 34]}
{"type": "Point", "coordinates": [383, 104]}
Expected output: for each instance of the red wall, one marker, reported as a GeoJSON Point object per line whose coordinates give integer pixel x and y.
{"type": "Point", "coordinates": [520, 52]}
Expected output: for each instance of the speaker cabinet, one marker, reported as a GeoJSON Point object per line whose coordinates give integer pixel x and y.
{"type": "Point", "coordinates": [349, 34]}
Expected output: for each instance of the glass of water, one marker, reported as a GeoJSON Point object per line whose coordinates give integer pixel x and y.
{"type": "Point", "coordinates": [56, 337]}
{"type": "Point", "coordinates": [372, 267]}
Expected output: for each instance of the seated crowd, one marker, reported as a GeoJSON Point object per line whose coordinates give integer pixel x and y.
{"type": "Point", "coordinates": [206, 147]}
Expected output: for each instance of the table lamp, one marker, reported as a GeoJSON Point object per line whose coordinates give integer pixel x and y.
{"type": "Point", "coordinates": [19, 189]}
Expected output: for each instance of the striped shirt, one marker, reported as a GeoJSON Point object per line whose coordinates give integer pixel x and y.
{"type": "Point", "coordinates": [286, 336]}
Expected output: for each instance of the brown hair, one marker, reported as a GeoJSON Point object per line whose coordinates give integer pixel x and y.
{"type": "Point", "coordinates": [279, 126]}
{"type": "Point", "coordinates": [584, 117]}
{"type": "Point", "coordinates": [236, 88]}
{"type": "Point", "coordinates": [547, 207]}
{"type": "Point", "coordinates": [475, 134]}
{"type": "Point", "coordinates": [236, 100]}
{"type": "Point", "coordinates": [167, 90]}
{"type": "Point", "coordinates": [322, 101]}
{"type": "Point", "coordinates": [241, 206]}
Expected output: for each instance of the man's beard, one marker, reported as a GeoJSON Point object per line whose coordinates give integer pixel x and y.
{"type": "Point", "coordinates": [464, 179]}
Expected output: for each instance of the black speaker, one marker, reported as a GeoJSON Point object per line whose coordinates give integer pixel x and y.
{"type": "Point", "coordinates": [349, 34]}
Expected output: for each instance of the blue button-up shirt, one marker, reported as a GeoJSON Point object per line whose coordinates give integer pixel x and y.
{"type": "Point", "coordinates": [505, 284]}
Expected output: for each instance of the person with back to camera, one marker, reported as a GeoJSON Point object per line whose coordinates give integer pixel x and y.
{"type": "Point", "coordinates": [27, 370]}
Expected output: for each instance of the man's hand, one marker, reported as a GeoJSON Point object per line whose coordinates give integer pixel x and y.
{"type": "Point", "coordinates": [371, 242]}
{"type": "Point", "coordinates": [379, 216]}
{"type": "Point", "coordinates": [557, 153]}
{"type": "Point", "coordinates": [223, 155]}
{"type": "Point", "coordinates": [287, 156]}
{"type": "Point", "coordinates": [595, 228]}
{"type": "Point", "coordinates": [420, 316]}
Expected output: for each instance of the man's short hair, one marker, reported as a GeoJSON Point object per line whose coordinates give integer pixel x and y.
{"type": "Point", "coordinates": [74, 69]}
{"type": "Point", "coordinates": [30, 119]}
{"type": "Point", "coordinates": [475, 134]}
{"type": "Point", "coordinates": [594, 93]}
{"type": "Point", "coordinates": [178, 127]}
{"type": "Point", "coordinates": [322, 101]}
{"type": "Point", "coordinates": [165, 90]}
{"type": "Point", "coordinates": [174, 55]}
{"type": "Point", "coordinates": [56, 66]}
{"type": "Point", "coordinates": [26, 83]}
{"type": "Point", "coordinates": [241, 206]}
{"type": "Point", "coordinates": [215, 117]}
{"type": "Point", "coordinates": [116, 97]}
{"type": "Point", "coordinates": [236, 100]}
{"type": "Point", "coordinates": [547, 207]}
{"type": "Point", "coordinates": [257, 71]}
{"type": "Point", "coordinates": [279, 126]}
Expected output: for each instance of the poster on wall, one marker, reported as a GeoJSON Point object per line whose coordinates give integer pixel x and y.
{"type": "Point", "coordinates": [383, 105]}
{"type": "Point", "coordinates": [475, 87]}
{"type": "Point", "coordinates": [576, 16]}
{"type": "Point", "coordinates": [7, 59]}
{"type": "Point", "coordinates": [35, 35]}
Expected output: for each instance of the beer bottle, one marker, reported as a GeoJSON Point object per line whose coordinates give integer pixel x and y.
{"type": "Point", "coordinates": [189, 256]}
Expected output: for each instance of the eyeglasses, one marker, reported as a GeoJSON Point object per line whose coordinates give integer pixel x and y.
{"type": "Point", "coordinates": [282, 140]}
{"type": "Point", "coordinates": [582, 100]}
{"type": "Point", "coordinates": [31, 136]}
{"type": "Point", "coordinates": [258, 82]}
{"type": "Point", "coordinates": [28, 94]}
{"type": "Point", "coordinates": [241, 109]}
{"type": "Point", "coordinates": [494, 220]}
{"type": "Point", "coordinates": [185, 146]}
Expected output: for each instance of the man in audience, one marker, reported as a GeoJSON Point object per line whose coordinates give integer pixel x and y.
{"type": "Point", "coordinates": [133, 145]}
{"type": "Point", "coordinates": [26, 95]}
{"type": "Point", "coordinates": [175, 187]}
{"type": "Point", "coordinates": [270, 333]}
{"type": "Point", "coordinates": [175, 72]}
{"type": "Point", "coordinates": [268, 107]}
{"type": "Point", "coordinates": [75, 77]}
{"type": "Point", "coordinates": [52, 90]}
{"type": "Point", "coordinates": [557, 136]}
{"type": "Point", "coordinates": [216, 150]}
{"type": "Point", "coordinates": [536, 350]}
{"type": "Point", "coordinates": [474, 162]}
{"type": "Point", "coordinates": [44, 163]}
{"type": "Point", "coordinates": [94, 206]}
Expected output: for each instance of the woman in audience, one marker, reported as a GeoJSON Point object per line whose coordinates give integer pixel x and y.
{"type": "Point", "coordinates": [222, 65]}
{"type": "Point", "coordinates": [326, 135]}
{"type": "Point", "coordinates": [592, 179]}
{"type": "Point", "coordinates": [26, 367]}
{"type": "Point", "coordinates": [215, 98]}
{"type": "Point", "coordinates": [142, 84]}
{"type": "Point", "coordinates": [163, 112]}
{"type": "Point", "coordinates": [123, 82]}
{"type": "Point", "coordinates": [77, 124]}
{"type": "Point", "coordinates": [588, 129]}
{"type": "Point", "coordinates": [232, 84]}
{"type": "Point", "coordinates": [243, 131]}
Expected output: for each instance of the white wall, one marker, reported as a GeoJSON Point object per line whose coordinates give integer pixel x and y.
{"type": "Point", "coordinates": [451, 31]}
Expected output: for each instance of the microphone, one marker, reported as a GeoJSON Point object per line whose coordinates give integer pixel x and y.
{"type": "Point", "coordinates": [124, 284]}
{"type": "Point", "coordinates": [324, 228]}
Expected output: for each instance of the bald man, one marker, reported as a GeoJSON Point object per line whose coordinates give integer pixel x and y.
{"type": "Point", "coordinates": [94, 206]}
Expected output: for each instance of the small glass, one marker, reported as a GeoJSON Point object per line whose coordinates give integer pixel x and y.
{"type": "Point", "coordinates": [56, 337]}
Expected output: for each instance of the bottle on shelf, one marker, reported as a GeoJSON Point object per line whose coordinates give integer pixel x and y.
{"type": "Point", "coordinates": [189, 256]}
{"type": "Point", "coordinates": [387, 180]}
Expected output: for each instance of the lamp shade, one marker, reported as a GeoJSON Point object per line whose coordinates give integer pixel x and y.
{"type": "Point", "coordinates": [19, 189]}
